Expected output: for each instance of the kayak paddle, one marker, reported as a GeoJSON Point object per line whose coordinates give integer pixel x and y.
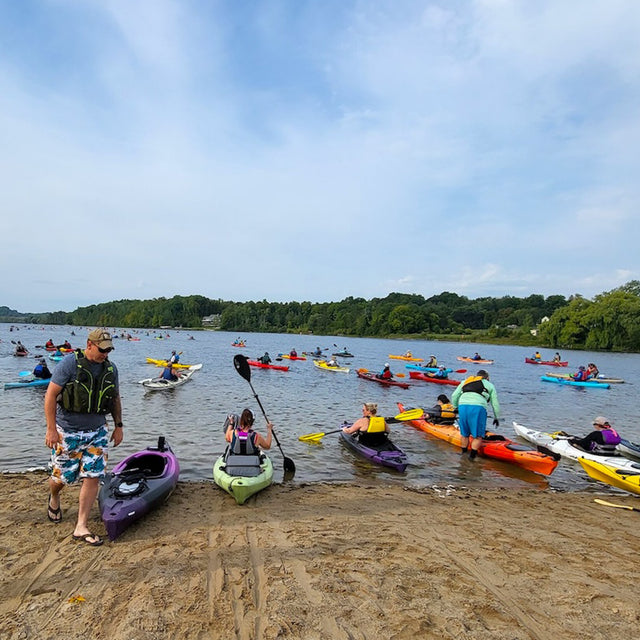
{"type": "Point", "coordinates": [410, 414]}
{"type": "Point", "coordinates": [242, 367]}
{"type": "Point", "coordinates": [619, 506]}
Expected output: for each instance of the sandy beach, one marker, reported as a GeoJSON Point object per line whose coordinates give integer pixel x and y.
{"type": "Point", "coordinates": [324, 561]}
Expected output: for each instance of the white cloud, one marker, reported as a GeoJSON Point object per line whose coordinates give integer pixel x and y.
{"type": "Point", "coordinates": [483, 148]}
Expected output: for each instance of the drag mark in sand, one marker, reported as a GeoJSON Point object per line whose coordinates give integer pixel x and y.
{"type": "Point", "coordinates": [491, 577]}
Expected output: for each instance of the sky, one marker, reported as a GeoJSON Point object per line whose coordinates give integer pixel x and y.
{"type": "Point", "coordinates": [312, 150]}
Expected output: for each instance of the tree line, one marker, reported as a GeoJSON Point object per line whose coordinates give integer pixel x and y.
{"type": "Point", "coordinates": [611, 321]}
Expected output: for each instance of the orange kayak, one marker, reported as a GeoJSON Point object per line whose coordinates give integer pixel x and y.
{"type": "Point", "coordinates": [494, 446]}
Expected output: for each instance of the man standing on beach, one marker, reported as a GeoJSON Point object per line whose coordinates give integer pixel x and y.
{"type": "Point", "coordinates": [83, 390]}
{"type": "Point", "coordinates": [472, 397]}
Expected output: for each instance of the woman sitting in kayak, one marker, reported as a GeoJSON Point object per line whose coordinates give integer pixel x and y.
{"type": "Point", "coordinates": [592, 370]}
{"type": "Point", "coordinates": [433, 361]}
{"type": "Point", "coordinates": [602, 440]}
{"type": "Point", "coordinates": [443, 412]}
{"type": "Point", "coordinates": [557, 357]}
{"type": "Point", "coordinates": [169, 373]}
{"type": "Point", "coordinates": [20, 348]}
{"type": "Point", "coordinates": [372, 430]}
{"type": "Point", "coordinates": [244, 440]}
{"type": "Point", "coordinates": [41, 370]}
{"type": "Point", "coordinates": [441, 373]}
{"type": "Point", "coordinates": [385, 374]}
{"type": "Point", "coordinates": [333, 362]}
{"type": "Point", "coordinates": [580, 375]}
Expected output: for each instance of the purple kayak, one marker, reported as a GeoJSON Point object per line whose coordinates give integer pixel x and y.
{"type": "Point", "coordinates": [137, 485]}
{"type": "Point", "coordinates": [388, 455]}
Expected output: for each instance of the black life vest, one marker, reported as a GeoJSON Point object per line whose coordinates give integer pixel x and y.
{"type": "Point", "coordinates": [87, 393]}
{"type": "Point", "coordinates": [473, 384]}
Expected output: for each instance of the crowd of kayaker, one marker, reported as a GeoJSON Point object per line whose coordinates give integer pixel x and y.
{"type": "Point", "coordinates": [76, 426]}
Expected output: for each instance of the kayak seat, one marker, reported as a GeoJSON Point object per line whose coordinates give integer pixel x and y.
{"type": "Point", "coordinates": [239, 465]}
{"type": "Point", "coordinates": [150, 466]}
{"type": "Point", "coordinates": [519, 447]}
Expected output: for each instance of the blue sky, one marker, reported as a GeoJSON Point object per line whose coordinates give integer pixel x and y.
{"type": "Point", "coordinates": [314, 150]}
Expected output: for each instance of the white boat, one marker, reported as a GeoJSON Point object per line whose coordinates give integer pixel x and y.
{"type": "Point", "coordinates": [160, 384]}
{"type": "Point", "coordinates": [560, 444]}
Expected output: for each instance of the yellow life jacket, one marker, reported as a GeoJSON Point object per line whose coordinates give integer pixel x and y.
{"type": "Point", "coordinates": [447, 411]}
{"type": "Point", "coordinates": [473, 384]}
{"type": "Point", "coordinates": [376, 424]}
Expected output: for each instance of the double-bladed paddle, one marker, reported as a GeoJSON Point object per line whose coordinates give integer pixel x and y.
{"type": "Point", "coordinates": [242, 367]}
{"type": "Point", "coordinates": [410, 414]}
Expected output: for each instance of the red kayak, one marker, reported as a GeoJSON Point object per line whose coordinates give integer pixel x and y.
{"type": "Point", "coordinates": [418, 375]}
{"type": "Point", "coordinates": [255, 363]}
{"type": "Point", "coordinates": [367, 375]}
{"type": "Point", "coordinates": [549, 363]}
{"type": "Point", "coordinates": [495, 446]}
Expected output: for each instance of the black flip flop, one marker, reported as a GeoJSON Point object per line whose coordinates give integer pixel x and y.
{"type": "Point", "coordinates": [85, 538]}
{"type": "Point", "coordinates": [57, 513]}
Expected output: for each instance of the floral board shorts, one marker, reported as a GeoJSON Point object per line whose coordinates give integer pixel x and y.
{"type": "Point", "coordinates": [81, 454]}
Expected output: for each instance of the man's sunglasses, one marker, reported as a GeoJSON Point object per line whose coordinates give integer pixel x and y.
{"type": "Point", "coordinates": [101, 350]}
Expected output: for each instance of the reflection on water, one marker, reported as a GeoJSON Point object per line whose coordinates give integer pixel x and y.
{"type": "Point", "coordinates": [306, 399]}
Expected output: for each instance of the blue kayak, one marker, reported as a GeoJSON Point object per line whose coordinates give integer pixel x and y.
{"type": "Point", "coordinates": [417, 367]}
{"type": "Point", "coordinates": [36, 382]}
{"type": "Point", "coordinates": [575, 383]}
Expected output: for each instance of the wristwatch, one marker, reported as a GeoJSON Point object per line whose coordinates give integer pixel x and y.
{"type": "Point", "coordinates": [119, 425]}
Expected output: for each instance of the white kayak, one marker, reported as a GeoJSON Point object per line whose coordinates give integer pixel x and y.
{"type": "Point", "coordinates": [560, 444]}
{"type": "Point", "coordinates": [159, 384]}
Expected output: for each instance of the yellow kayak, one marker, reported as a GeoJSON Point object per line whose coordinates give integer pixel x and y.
{"type": "Point", "coordinates": [407, 358]}
{"type": "Point", "coordinates": [322, 364]}
{"type": "Point", "coordinates": [163, 363]}
{"type": "Point", "coordinates": [610, 475]}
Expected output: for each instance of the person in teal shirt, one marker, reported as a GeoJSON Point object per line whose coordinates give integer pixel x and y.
{"type": "Point", "coordinates": [471, 397]}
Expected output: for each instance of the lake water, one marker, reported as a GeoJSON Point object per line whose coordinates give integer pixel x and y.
{"type": "Point", "coordinates": [306, 399]}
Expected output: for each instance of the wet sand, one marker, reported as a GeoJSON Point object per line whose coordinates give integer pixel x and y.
{"type": "Point", "coordinates": [324, 561]}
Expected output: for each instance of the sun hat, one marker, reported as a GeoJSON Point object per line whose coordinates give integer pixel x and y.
{"type": "Point", "coordinates": [101, 338]}
{"type": "Point", "coordinates": [601, 421]}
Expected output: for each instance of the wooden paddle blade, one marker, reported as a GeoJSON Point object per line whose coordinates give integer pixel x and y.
{"type": "Point", "coordinates": [242, 366]}
{"type": "Point", "coordinates": [363, 370]}
{"type": "Point", "coordinates": [410, 414]}
{"type": "Point", "coordinates": [617, 506]}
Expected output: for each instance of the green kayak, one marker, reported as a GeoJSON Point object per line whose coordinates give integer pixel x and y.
{"type": "Point", "coordinates": [241, 476]}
